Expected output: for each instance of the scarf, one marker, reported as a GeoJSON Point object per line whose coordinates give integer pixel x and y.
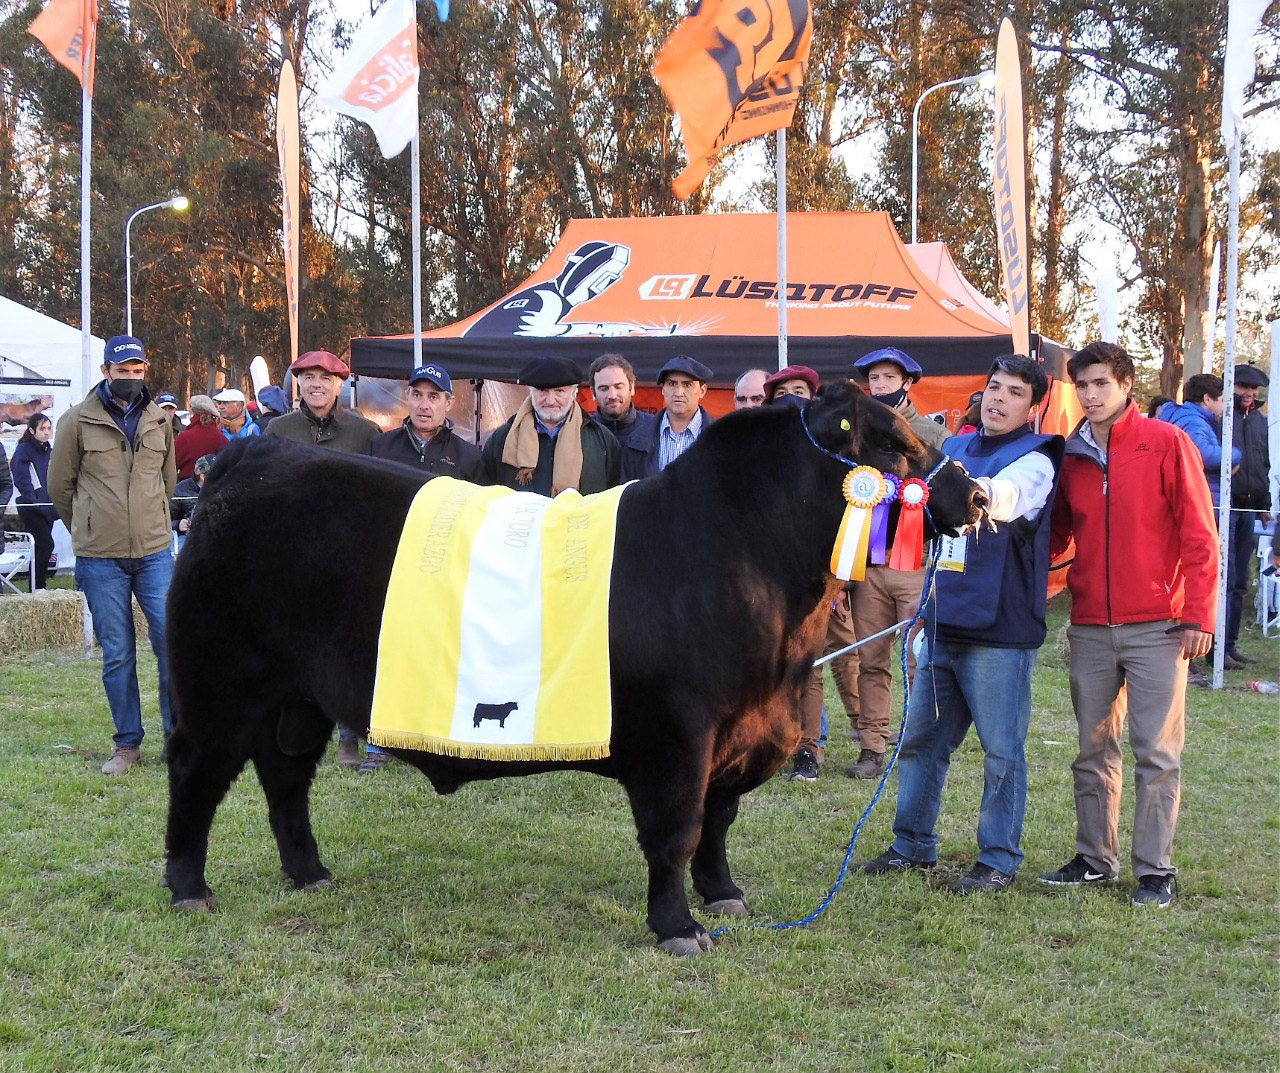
{"type": "Point", "coordinates": [521, 449]}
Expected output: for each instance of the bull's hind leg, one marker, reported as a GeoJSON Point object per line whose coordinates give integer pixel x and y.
{"type": "Point", "coordinates": [200, 774]}
{"type": "Point", "coordinates": [667, 806]}
{"type": "Point", "coordinates": [286, 764]}
{"type": "Point", "coordinates": [710, 867]}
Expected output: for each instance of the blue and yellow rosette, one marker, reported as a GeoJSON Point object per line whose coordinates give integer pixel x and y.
{"type": "Point", "coordinates": [864, 489]}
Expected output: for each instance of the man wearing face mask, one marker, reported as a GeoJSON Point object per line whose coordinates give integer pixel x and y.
{"type": "Point", "coordinates": [110, 477]}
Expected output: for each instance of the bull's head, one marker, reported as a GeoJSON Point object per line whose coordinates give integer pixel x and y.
{"type": "Point", "coordinates": [847, 422]}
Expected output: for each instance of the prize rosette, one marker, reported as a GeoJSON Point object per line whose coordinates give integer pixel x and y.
{"type": "Point", "coordinates": [879, 549]}
{"type": "Point", "coordinates": [908, 542]}
{"type": "Point", "coordinates": [864, 490]}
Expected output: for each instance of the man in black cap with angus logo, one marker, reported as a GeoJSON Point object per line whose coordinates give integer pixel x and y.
{"type": "Point", "coordinates": [426, 439]}
{"type": "Point", "coordinates": [551, 443]}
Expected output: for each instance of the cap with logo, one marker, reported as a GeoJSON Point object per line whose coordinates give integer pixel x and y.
{"type": "Point", "coordinates": [321, 359]}
{"type": "Point", "coordinates": [433, 374]}
{"type": "Point", "coordinates": [901, 359]}
{"type": "Point", "coordinates": [123, 348]}
{"type": "Point", "coordinates": [229, 394]}
{"type": "Point", "coordinates": [682, 363]}
{"type": "Point", "coordinates": [167, 398]}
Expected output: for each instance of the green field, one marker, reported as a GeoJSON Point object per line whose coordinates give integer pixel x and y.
{"type": "Point", "coordinates": [502, 928]}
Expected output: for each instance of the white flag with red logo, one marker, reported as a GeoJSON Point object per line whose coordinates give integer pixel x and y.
{"type": "Point", "coordinates": [377, 80]}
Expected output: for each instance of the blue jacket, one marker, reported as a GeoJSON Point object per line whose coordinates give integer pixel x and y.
{"type": "Point", "coordinates": [30, 468]}
{"type": "Point", "coordinates": [1202, 427]}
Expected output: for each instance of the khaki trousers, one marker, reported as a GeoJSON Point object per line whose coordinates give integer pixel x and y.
{"type": "Point", "coordinates": [844, 669]}
{"type": "Point", "coordinates": [883, 598]}
{"type": "Point", "coordinates": [1135, 670]}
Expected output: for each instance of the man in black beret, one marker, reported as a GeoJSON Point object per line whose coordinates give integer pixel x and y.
{"type": "Point", "coordinates": [683, 381]}
{"type": "Point", "coordinates": [551, 443]}
{"type": "Point", "coordinates": [1250, 499]}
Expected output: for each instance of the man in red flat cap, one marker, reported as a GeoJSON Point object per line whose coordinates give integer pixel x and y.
{"type": "Point", "coordinates": [322, 421]}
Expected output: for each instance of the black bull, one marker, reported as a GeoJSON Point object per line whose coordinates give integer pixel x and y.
{"type": "Point", "coordinates": [718, 606]}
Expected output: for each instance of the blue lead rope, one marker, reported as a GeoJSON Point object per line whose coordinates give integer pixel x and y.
{"type": "Point", "coordinates": [884, 778]}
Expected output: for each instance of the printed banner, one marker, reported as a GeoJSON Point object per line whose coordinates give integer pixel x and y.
{"type": "Point", "coordinates": [376, 82]}
{"type": "Point", "coordinates": [288, 141]}
{"type": "Point", "coordinates": [732, 71]}
{"type": "Point", "coordinates": [1009, 173]}
{"type": "Point", "coordinates": [67, 28]}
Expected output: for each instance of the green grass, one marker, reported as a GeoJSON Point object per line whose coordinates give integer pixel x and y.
{"type": "Point", "coordinates": [502, 928]}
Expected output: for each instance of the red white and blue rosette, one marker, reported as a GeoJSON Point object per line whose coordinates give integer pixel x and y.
{"type": "Point", "coordinates": [908, 541]}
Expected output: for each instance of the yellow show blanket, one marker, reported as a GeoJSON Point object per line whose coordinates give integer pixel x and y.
{"type": "Point", "coordinates": [495, 633]}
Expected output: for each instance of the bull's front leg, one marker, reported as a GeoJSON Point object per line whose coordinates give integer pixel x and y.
{"type": "Point", "coordinates": [667, 803]}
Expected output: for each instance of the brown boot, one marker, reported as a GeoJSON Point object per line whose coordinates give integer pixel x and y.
{"type": "Point", "coordinates": [869, 765]}
{"type": "Point", "coordinates": [349, 754]}
{"type": "Point", "coordinates": [121, 761]}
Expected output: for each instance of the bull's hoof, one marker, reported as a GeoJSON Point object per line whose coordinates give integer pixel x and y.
{"type": "Point", "coordinates": [325, 882]}
{"type": "Point", "coordinates": [193, 905]}
{"type": "Point", "coordinates": [686, 948]}
{"type": "Point", "coordinates": [319, 884]}
{"type": "Point", "coordinates": [728, 907]}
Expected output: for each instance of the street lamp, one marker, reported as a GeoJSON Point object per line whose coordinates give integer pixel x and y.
{"type": "Point", "coordinates": [987, 80]}
{"type": "Point", "coordinates": [178, 204]}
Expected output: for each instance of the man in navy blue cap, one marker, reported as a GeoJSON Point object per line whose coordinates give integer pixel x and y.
{"type": "Point", "coordinates": [111, 474]}
{"type": "Point", "coordinates": [683, 381]}
{"type": "Point", "coordinates": [168, 402]}
{"type": "Point", "coordinates": [426, 440]}
{"type": "Point", "coordinates": [551, 443]}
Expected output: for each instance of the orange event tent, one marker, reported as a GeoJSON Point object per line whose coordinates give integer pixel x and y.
{"type": "Point", "coordinates": [706, 286]}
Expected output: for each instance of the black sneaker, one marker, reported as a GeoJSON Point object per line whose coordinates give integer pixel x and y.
{"type": "Point", "coordinates": [805, 766]}
{"type": "Point", "coordinates": [890, 861]}
{"type": "Point", "coordinates": [1077, 872]}
{"type": "Point", "coordinates": [1154, 890]}
{"type": "Point", "coordinates": [982, 877]}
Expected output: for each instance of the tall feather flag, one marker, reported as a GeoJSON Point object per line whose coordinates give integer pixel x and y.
{"type": "Point", "coordinates": [1009, 175]}
{"type": "Point", "coordinates": [377, 80]}
{"type": "Point", "coordinates": [288, 147]}
{"type": "Point", "coordinates": [69, 30]}
{"type": "Point", "coordinates": [732, 71]}
{"type": "Point", "coordinates": [1240, 63]}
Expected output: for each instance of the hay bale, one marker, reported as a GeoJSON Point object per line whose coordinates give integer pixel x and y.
{"type": "Point", "coordinates": [47, 618]}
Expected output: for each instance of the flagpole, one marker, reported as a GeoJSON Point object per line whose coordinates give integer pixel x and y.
{"type": "Point", "coordinates": [415, 208]}
{"type": "Point", "coordinates": [781, 184]}
{"type": "Point", "coordinates": [86, 142]}
{"type": "Point", "coordinates": [1229, 405]}
{"type": "Point", "coordinates": [1211, 337]}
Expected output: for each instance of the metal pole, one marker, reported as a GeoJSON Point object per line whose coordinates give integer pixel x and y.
{"type": "Point", "coordinates": [780, 167]}
{"type": "Point", "coordinates": [86, 144]}
{"type": "Point", "coordinates": [415, 209]}
{"type": "Point", "coordinates": [178, 202]}
{"type": "Point", "coordinates": [968, 80]}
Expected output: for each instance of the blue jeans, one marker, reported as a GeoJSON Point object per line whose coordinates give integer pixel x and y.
{"type": "Point", "coordinates": [990, 688]}
{"type": "Point", "coordinates": [107, 585]}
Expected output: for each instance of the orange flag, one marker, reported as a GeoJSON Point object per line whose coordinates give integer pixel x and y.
{"type": "Point", "coordinates": [732, 71]}
{"type": "Point", "coordinates": [67, 28]}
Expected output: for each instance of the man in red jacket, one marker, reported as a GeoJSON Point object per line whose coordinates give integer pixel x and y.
{"type": "Point", "coordinates": [1144, 588]}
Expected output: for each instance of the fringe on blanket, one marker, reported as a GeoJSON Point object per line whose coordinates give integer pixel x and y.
{"type": "Point", "coordinates": [471, 750]}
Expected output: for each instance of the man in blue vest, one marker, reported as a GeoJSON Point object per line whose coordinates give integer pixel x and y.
{"type": "Point", "coordinates": [983, 626]}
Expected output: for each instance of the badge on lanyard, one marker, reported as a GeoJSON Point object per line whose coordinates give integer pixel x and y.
{"type": "Point", "coordinates": [951, 552]}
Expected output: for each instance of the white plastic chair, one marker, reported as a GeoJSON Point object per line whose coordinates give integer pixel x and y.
{"type": "Point", "coordinates": [1268, 598]}
{"type": "Point", "coordinates": [19, 555]}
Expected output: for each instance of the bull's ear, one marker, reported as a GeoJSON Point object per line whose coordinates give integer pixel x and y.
{"type": "Point", "coordinates": [834, 416]}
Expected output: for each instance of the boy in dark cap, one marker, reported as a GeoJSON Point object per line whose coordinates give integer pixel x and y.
{"type": "Point", "coordinates": [1250, 498]}
{"type": "Point", "coordinates": [551, 444]}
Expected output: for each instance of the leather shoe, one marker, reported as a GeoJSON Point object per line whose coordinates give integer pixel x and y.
{"type": "Point", "coordinates": [121, 761]}
{"type": "Point", "coordinates": [1240, 657]}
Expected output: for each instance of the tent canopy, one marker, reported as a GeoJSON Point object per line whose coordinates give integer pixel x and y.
{"type": "Point", "coordinates": [938, 264]}
{"type": "Point", "coordinates": [35, 346]}
{"type": "Point", "coordinates": [706, 286]}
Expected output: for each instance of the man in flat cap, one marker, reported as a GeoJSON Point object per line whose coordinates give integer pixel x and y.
{"type": "Point", "coordinates": [1250, 499]}
{"type": "Point", "coordinates": [551, 443]}
{"type": "Point", "coordinates": [111, 474]}
{"type": "Point", "coordinates": [683, 381]}
{"type": "Point", "coordinates": [322, 421]}
{"type": "Point", "coordinates": [426, 440]}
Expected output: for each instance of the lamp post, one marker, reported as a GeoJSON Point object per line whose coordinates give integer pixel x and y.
{"type": "Point", "coordinates": [178, 204]}
{"type": "Point", "coordinates": [987, 80]}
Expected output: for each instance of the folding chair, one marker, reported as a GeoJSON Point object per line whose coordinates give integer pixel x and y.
{"type": "Point", "coordinates": [18, 555]}
{"type": "Point", "coordinates": [1268, 597]}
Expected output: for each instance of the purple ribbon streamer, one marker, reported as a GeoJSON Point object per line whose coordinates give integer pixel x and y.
{"type": "Point", "coordinates": [878, 543]}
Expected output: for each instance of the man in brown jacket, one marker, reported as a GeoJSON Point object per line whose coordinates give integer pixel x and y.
{"type": "Point", "coordinates": [323, 422]}
{"type": "Point", "coordinates": [110, 477]}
